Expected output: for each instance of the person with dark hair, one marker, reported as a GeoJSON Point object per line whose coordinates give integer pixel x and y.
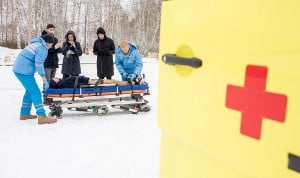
{"type": "Point", "coordinates": [29, 61]}
{"type": "Point", "coordinates": [51, 62]}
{"type": "Point", "coordinates": [71, 50]}
{"type": "Point", "coordinates": [104, 48]}
{"type": "Point", "coordinates": [81, 80]}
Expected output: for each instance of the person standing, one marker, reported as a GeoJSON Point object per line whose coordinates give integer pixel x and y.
{"type": "Point", "coordinates": [29, 61]}
{"type": "Point", "coordinates": [104, 48]}
{"type": "Point", "coordinates": [51, 62]}
{"type": "Point", "coordinates": [128, 61]}
{"type": "Point", "coordinates": [71, 50]}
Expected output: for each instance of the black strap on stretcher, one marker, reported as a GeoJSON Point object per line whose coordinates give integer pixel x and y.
{"type": "Point", "coordinates": [75, 86]}
{"type": "Point", "coordinates": [99, 81]}
{"type": "Point", "coordinates": [131, 83]}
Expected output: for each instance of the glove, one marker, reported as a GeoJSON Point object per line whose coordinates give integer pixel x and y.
{"type": "Point", "coordinates": [108, 52]}
{"type": "Point", "coordinates": [72, 48]}
{"type": "Point", "coordinates": [124, 75]}
{"type": "Point", "coordinates": [45, 85]}
{"type": "Point", "coordinates": [69, 44]}
{"type": "Point", "coordinates": [100, 52]}
{"type": "Point", "coordinates": [132, 77]}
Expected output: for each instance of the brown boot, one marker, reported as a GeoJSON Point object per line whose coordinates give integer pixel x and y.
{"type": "Point", "coordinates": [46, 120]}
{"type": "Point", "coordinates": [25, 117]}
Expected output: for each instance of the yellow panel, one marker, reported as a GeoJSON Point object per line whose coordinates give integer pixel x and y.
{"type": "Point", "coordinates": [202, 136]}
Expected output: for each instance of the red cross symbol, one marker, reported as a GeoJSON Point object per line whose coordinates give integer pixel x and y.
{"type": "Point", "coordinates": [254, 102]}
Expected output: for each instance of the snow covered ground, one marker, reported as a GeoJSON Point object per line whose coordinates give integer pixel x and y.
{"type": "Point", "coordinates": [80, 145]}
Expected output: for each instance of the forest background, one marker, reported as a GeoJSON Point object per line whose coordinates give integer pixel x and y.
{"type": "Point", "coordinates": [135, 20]}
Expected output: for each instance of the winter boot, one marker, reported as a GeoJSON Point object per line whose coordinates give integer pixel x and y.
{"type": "Point", "coordinates": [46, 120]}
{"type": "Point", "coordinates": [25, 117]}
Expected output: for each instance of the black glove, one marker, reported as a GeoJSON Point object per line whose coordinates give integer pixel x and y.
{"type": "Point", "coordinates": [101, 52]}
{"type": "Point", "coordinates": [108, 52]}
{"type": "Point", "coordinates": [72, 48]}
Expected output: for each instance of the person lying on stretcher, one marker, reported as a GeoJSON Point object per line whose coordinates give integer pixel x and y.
{"type": "Point", "coordinates": [82, 80]}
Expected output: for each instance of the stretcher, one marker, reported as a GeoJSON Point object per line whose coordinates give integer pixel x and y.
{"type": "Point", "coordinates": [97, 98]}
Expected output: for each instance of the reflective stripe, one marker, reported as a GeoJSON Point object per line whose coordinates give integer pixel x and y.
{"type": "Point", "coordinates": [32, 47]}
{"type": "Point", "coordinates": [39, 107]}
{"type": "Point", "coordinates": [38, 65]}
{"type": "Point", "coordinates": [26, 105]}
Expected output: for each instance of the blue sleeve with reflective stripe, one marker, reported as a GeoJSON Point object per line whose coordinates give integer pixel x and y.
{"type": "Point", "coordinates": [40, 57]}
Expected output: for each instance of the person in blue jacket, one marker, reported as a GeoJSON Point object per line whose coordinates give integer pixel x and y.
{"type": "Point", "coordinates": [128, 61]}
{"type": "Point", "coordinates": [29, 61]}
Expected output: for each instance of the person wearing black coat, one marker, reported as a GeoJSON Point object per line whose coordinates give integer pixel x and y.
{"type": "Point", "coordinates": [51, 62]}
{"type": "Point", "coordinates": [104, 48]}
{"type": "Point", "coordinates": [71, 50]}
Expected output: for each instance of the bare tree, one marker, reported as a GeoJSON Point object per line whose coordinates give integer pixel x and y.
{"type": "Point", "coordinates": [17, 23]}
{"type": "Point", "coordinates": [137, 21]}
{"type": "Point", "coordinates": [29, 25]}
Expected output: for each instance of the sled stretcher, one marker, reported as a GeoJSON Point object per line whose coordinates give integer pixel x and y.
{"type": "Point", "coordinates": [97, 98]}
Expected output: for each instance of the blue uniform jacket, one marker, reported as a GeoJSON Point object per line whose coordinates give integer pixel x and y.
{"type": "Point", "coordinates": [32, 58]}
{"type": "Point", "coordinates": [130, 62]}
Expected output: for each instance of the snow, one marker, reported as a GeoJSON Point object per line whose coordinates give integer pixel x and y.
{"type": "Point", "coordinates": [81, 144]}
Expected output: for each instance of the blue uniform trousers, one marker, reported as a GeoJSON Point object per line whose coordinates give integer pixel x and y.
{"type": "Point", "coordinates": [32, 95]}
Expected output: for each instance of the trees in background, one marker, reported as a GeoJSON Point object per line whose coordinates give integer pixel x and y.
{"type": "Point", "coordinates": [134, 20]}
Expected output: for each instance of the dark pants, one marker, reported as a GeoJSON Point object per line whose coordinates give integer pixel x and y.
{"type": "Point", "coordinates": [50, 73]}
{"type": "Point", "coordinates": [102, 77]}
{"type": "Point", "coordinates": [66, 76]}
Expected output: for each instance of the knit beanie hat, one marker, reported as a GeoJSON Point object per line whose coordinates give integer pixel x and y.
{"type": "Point", "coordinates": [100, 30]}
{"type": "Point", "coordinates": [48, 38]}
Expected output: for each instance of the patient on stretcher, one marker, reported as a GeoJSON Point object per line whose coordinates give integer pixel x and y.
{"type": "Point", "coordinates": [82, 80]}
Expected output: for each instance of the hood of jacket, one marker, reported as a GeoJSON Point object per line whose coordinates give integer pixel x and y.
{"type": "Point", "coordinates": [68, 33]}
{"type": "Point", "coordinates": [44, 32]}
{"type": "Point", "coordinates": [38, 40]}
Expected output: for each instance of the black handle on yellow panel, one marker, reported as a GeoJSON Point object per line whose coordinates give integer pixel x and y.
{"type": "Point", "coordinates": [172, 59]}
{"type": "Point", "coordinates": [294, 162]}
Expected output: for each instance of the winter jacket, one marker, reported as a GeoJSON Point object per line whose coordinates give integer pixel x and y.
{"type": "Point", "coordinates": [131, 62]}
{"type": "Point", "coordinates": [71, 62]}
{"type": "Point", "coordinates": [52, 58]}
{"type": "Point", "coordinates": [69, 82]}
{"type": "Point", "coordinates": [32, 58]}
{"type": "Point", "coordinates": [104, 49]}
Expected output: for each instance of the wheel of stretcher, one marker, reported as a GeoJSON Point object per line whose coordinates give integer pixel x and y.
{"type": "Point", "coordinates": [56, 114]}
{"type": "Point", "coordinates": [145, 108]}
{"type": "Point", "coordinates": [102, 110]}
{"type": "Point", "coordinates": [59, 116]}
{"type": "Point", "coordinates": [51, 114]}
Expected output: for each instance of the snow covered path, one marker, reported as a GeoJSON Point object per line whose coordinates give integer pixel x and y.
{"type": "Point", "coordinates": [80, 145]}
